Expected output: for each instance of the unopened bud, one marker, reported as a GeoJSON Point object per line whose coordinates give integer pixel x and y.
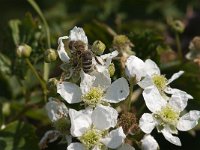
{"type": "Point", "coordinates": [52, 86]}
{"type": "Point", "coordinates": [195, 43]}
{"type": "Point", "coordinates": [52, 82]}
{"type": "Point", "coordinates": [111, 69]}
{"type": "Point", "coordinates": [24, 50]}
{"type": "Point", "coordinates": [123, 44]}
{"type": "Point", "coordinates": [120, 40]}
{"type": "Point", "coordinates": [98, 47]}
{"type": "Point", "coordinates": [50, 55]}
{"type": "Point", "coordinates": [178, 26]}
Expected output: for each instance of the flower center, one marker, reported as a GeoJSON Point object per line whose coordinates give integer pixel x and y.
{"type": "Point", "coordinates": [90, 138]}
{"type": "Point", "coordinates": [93, 96]}
{"type": "Point", "coordinates": [160, 81]}
{"type": "Point", "coordinates": [169, 115]}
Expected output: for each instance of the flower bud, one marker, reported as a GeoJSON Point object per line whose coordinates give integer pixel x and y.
{"type": "Point", "coordinates": [51, 84]}
{"type": "Point", "coordinates": [98, 47]}
{"type": "Point", "coordinates": [24, 50]}
{"type": "Point", "coordinates": [178, 26]}
{"type": "Point", "coordinates": [50, 55]}
{"type": "Point", "coordinates": [111, 69]}
{"type": "Point", "coordinates": [123, 44]}
{"type": "Point", "coordinates": [120, 40]}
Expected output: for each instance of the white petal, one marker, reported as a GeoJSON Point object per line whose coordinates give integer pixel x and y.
{"type": "Point", "coordinates": [87, 82]}
{"type": "Point", "coordinates": [80, 121]}
{"type": "Point", "coordinates": [69, 91]}
{"type": "Point", "coordinates": [75, 146]}
{"type": "Point", "coordinates": [169, 90]}
{"type": "Point", "coordinates": [146, 82]}
{"type": "Point", "coordinates": [49, 137]}
{"type": "Point", "coordinates": [188, 121]}
{"type": "Point", "coordinates": [104, 117]}
{"type": "Point", "coordinates": [179, 100]}
{"type": "Point", "coordinates": [149, 143]}
{"type": "Point", "coordinates": [108, 57]}
{"type": "Point", "coordinates": [96, 148]}
{"type": "Point", "coordinates": [100, 68]}
{"type": "Point", "coordinates": [102, 79]}
{"type": "Point", "coordinates": [135, 67]}
{"type": "Point", "coordinates": [118, 91]}
{"type": "Point", "coordinates": [99, 64]}
{"type": "Point", "coordinates": [126, 147]}
{"type": "Point", "coordinates": [175, 76]}
{"type": "Point", "coordinates": [103, 62]}
{"type": "Point", "coordinates": [114, 139]}
{"type": "Point", "coordinates": [147, 123]}
{"type": "Point", "coordinates": [153, 100]}
{"type": "Point", "coordinates": [77, 34]}
{"type": "Point", "coordinates": [151, 67]}
{"type": "Point", "coordinates": [56, 110]}
{"type": "Point", "coordinates": [169, 137]}
{"type": "Point", "coordinates": [61, 49]}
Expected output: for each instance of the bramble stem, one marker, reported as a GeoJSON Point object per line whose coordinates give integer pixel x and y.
{"type": "Point", "coordinates": [178, 45]}
{"type": "Point", "coordinates": [38, 10]}
{"type": "Point", "coordinates": [42, 82]}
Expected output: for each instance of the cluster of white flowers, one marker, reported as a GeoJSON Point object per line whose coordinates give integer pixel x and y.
{"type": "Point", "coordinates": [94, 124]}
{"type": "Point", "coordinates": [165, 103]}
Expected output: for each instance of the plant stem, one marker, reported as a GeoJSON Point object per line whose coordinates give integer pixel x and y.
{"type": "Point", "coordinates": [46, 71]}
{"type": "Point", "coordinates": [1, 116]}
{"type": "Point", "coordinates": [42, 82]}
{"type": "Point", "coordinates": [178, 45]}
{"type": "Point", "coordinates": [38, 10]}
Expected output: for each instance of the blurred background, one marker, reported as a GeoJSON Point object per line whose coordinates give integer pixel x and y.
{"type": "Point", "coordinates": [145, 22]}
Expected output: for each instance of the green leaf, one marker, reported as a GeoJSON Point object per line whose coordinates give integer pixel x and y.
{"type": "Point", "coordinates": [18, 136]}
{"type": "Point", "coordinates": [14, 25]}
{"type": "Point", "coordinates": [5, 64]}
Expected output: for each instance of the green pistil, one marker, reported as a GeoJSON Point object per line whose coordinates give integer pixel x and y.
{"type": "Point", "coordinates": [160, 81]}
{"type": "Point", "coordinates": [169, 115]}
{"type": "Point", "coordinates": [93, 97]}
{"type": "Point", "coordinates": [90, 138]}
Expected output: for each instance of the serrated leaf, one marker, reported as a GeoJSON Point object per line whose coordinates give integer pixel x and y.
{"type": "Point", "coordinates": [18, 136]}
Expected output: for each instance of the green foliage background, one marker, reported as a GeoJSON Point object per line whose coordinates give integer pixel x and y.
{"type": "Point", "coordinates": [143, 21]}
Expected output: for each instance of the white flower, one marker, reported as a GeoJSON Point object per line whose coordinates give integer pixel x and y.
{"type": "Point", "coordinates": [135, 68]}
{"type": "Point", "coordinates": [149, 143]}
{"type": "Point", "coordinates": [94, 90]}
{"type": "Point", "coordinates": [154, 77]}
{"type": "Point", "coordinates": [56, 110]}
{"type": "Point", "coordinates": [166, 114]}
{"type": "Point", "coordinates": [126, 147]}
{"type": "Point", "coordinates": [91, 128]}
{"type": "Point", "coordinates": [78, 34]}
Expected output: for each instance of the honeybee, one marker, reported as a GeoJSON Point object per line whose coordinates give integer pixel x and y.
{"type": "Point", "coordinates": [81, 56]}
